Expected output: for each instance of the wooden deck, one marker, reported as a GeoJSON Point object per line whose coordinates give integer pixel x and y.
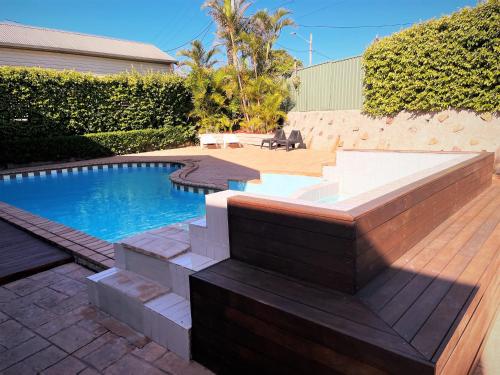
{"type": "Point", "coordinates": [426, 313]}
{"type": "Point", "coordinates": [22, 255]}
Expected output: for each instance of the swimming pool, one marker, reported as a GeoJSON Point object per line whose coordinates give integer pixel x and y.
{"type": "Point", "coordinates": [275, 184]}
{"type": "Point", "coordinates": [108, 204]}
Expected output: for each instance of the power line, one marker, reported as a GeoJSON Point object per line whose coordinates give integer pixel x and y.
{"type": "Point", "coordinates": [357, 26]}
{"type": "Point", "coordinates": [204, 30]}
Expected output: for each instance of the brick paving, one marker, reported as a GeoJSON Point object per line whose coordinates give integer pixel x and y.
{"type": "Point", "coordinates": [47, 326]}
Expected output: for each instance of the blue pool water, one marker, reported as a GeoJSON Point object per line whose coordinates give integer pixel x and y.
{"type": "Point", "coordinates": [275, 184]}
{"type": "Point", "coordinates": [108, 204]}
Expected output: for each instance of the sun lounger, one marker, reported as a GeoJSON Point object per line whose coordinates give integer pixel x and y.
{"type": "Point", "coordinates": [278, 135]}
{"type": "Point", "coordinates": [295, 138]}
{"type": "Point", "coordinates": [207, 140]}
{"type": "Point", "coordinates": [230, 139]}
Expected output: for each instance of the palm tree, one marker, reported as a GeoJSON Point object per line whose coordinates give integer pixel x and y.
{"type": "Point", "coordinates": [269, 26]}
{"type": "Point", "coordinates": [230, 18]}
{"type": "Point", "coordinates": [198, 57]}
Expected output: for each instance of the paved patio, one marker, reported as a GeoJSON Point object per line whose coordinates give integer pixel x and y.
{"type": "Point", "coordinates": [47, 326]}
{"type": "Point", "coordinates": [216, 166]}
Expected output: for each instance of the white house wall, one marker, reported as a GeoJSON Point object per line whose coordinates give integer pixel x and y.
{"type": "Point", "coordinates": [81, 63]}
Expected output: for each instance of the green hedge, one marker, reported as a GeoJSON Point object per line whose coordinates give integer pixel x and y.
{"type": "Point", "coordinates": [451, 62]}
{"type": "Point", "coordinates": [25, 150]}
{"type": "Point", "coordinates": [38, 102]}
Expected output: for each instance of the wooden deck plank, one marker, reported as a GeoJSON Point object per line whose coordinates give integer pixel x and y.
{"type": "Point", "coordinates": [379, 292]}
{"type": "Point", "coordinates": [437, 325]}
{"type": "Point", "coordinates": [398, 305]}
{"type": "Point", "coordinates": [23, 255]}
{"type": "Point", "coordinates": [409, 324]}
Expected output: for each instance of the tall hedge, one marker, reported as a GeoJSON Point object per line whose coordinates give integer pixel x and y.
{"type": "Point", "coordinates": [93, 145]}
{"type": "Point", "coordinates": [38, 102]}
{"type": "Point", "coordinates": [450, 62]}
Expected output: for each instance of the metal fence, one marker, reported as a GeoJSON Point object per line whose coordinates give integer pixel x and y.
{"type": "Point", "coordinates": [330, 86]}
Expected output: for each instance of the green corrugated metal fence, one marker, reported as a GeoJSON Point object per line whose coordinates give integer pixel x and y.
{"type": "Point", "coordinates": [329, 86]}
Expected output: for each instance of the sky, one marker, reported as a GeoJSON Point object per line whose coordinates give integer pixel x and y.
{"type": "Point", "coordinates": [170, 24]}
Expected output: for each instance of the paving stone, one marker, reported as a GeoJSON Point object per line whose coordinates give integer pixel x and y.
{"type": "Point", "coordinates": [92, 326]}
{"type": "Point", "coordinates": [71, 303]}
{"type": "Point", "coordinates": [80, 274]}
{"type": "Point", "coordinates": [175, 365]}
{"type": "Point", "coordinates": [13, 333]}
{"type": "Point", "coordinates": [3, 317]}
{"type": "Point", "coordinates": [123, 330]}
{"type": "Point", "coordinates": [108, 353]}
{"type": "Point", "coordinates": [69, 287]}
{"type": "Point", "coordinates": [132, 365]}
{"type": "Point", "coordinates": [47, 277]}
{"type": "Point", "coordinates": [41, 360]}
{"type": "Point", "coordinates": [68, 366]}
{"type": "Point", "coordinates": [66, 268]}
{"type": "Point", "coordinates": [7, 295]}
{"type": "Point", "coordinates": [26, 286]}
{"type": "Point", "coordinates": [30, 315]}
{"type": "Point", "coordinates": [19, 369]}
{"type": "Point", "coordinates": [94, 345]}
{"type": "Point", "coordinates": [150, 352]}
{"type": "Point", "coordinates": [22, 351]}
{"type": "Point", "coordinates": [60, 322]}
{"type": "Point", "coordinates": [35, 297]}
{"type": "Point", "coordinates": [72, 338]}
{"type": "Point", "coordinates": [91, 371]}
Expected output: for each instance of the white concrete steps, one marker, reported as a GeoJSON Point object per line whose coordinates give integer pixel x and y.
{"type": "Point", "coordinates": [123, 294]}
{"type": "Point", "coordinates": [168, 322]}
{"type": "Point", "coordinates": [145, 305]}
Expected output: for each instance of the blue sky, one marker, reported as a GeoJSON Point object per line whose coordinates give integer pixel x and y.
{"type": "Point", "coordinates": [170, 23]}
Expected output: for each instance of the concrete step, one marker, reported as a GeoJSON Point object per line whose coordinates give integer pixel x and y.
{"type": "Point", "coordinates": [123, 294]}
{"type": "Point", "coordinates": [198, 233]}
{"type": "Point", "coordinates": [168, 322]}
{"type": "Point", "coordinates": [145, 305]}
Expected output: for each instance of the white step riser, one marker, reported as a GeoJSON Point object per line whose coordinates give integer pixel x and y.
{"type": "Point", "coordinates": [168, 274]}
{"type": "Point", "coordinates": [171, 331]}
{"type": "Point", "coordinates": [169, 323]}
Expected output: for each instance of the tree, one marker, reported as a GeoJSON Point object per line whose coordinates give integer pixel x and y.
{"type": "Point", "coordinates": [230, 18]}
{"type": "Point", "coordinates": [198, 57]}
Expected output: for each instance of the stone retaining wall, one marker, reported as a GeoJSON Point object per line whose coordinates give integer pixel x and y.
{"type": "Point", "coordinates": [444, 131]}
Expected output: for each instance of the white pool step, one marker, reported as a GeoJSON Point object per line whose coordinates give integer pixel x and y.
{"type": "Point", "coordinates": [146, 306]}
{"type": "Point", "coordinates": [168, 322]}
{"type": "Point", "coordinates": [171, 272]}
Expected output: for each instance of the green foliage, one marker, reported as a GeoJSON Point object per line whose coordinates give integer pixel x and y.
{"type": "Point", "coordinates": [451, 62]}
{"type": "Point", "coordinates": [25, 150]}
{"type": "Point", "coordinates": [38, 102]}
{"type": "Point", "coordinates": [250, 90]}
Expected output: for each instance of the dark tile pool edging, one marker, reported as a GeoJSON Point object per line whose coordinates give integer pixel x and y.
{"type": "Point", "coordinates": [87, 250]}
{"type": "Point", "coordinates": [179, 178]}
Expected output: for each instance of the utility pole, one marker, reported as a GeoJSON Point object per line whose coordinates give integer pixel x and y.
{"type": "Point", "coordinates": [310, 49]}
{"type": "Point", "coordinates": [310, 42]}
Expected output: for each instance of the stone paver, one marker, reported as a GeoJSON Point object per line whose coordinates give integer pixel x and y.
{"type": "Point", "coordinates": [68, 366]}
{"type": "Point", "coordinates": [150, 352]}
{"type": "Point", "coordinates": [72, 338]}
{"type": "Point", "coordinates": [132, 365]}
{"type": "Point", "coordinates": [69, 336]}
{"type": "Point", "coordinates": [13, 333]}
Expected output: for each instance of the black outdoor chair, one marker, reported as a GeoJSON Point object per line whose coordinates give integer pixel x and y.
{"type": "Point", "coordinates": [293, 139]}
{"type": "Point", "coordinates": [278, 135]}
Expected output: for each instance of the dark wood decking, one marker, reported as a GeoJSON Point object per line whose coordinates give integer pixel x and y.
{"type": "Point", "coordinates": [426, 312]}
{"type": "Point", "coordinates": [22, 255]}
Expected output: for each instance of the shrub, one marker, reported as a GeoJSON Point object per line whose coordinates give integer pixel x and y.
{"type": "Point", "coordinates": [37, 102]}
{"type": "Point", "coordinates": [24, 150]}
{"type": "Point", "coordinates": [451, 62]}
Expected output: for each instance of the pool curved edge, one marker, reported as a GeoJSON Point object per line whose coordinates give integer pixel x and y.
{"type": "Point", "coordinates": [179, 178]}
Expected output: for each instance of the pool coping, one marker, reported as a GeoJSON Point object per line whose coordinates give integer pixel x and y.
{"type": "Point", "coordinates": [87, 250]}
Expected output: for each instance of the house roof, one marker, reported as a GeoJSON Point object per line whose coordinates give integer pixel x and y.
{"type": "Point", "coordinates": [36, 38]}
